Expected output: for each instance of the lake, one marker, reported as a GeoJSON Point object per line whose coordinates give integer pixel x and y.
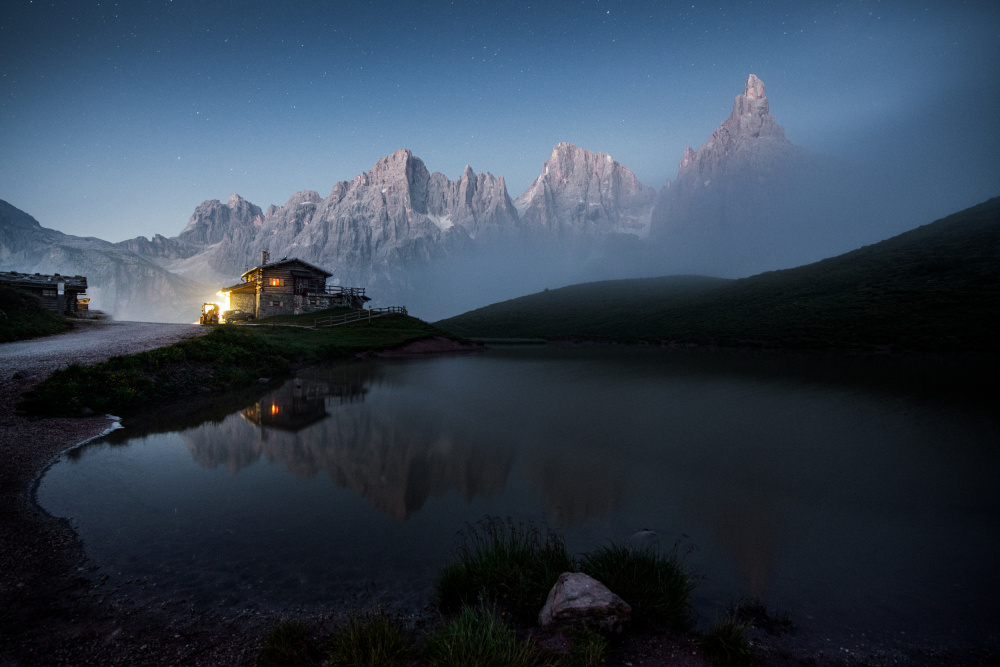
{"type": "Point", "coordinates": [857, 492]}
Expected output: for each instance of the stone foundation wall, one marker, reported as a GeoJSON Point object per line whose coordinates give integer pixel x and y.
{"type": "Point", "coordinates": [245, 302]}
{"type": "Point", "coordinates": [310, 303]}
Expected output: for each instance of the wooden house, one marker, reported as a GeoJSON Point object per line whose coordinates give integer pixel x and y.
{"type": "Point", "coordinates": [57, 293]}
{"type": "Point", "coordinates": [289, 287]}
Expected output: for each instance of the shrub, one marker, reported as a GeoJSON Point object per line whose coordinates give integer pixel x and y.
{"type": "Point", "coordinates": [512, 565]}
{"type": "Point", "coordinates": [656, 586]}
{"type": "Point", "coordinates": [370, 640]}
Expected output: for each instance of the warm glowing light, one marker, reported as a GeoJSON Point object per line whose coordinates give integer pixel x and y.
{"type": "Point", "coordinates": [224, 303]}
{"type": "Point", "coordinates": [274, 409]}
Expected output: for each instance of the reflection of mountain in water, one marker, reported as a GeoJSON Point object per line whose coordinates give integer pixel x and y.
{"type": "Point", "coordinates": [398, 464]}
{"type": "Point", "coordinates": [396, 459]}
{"type": "Point", "coordinates": [578, 486]}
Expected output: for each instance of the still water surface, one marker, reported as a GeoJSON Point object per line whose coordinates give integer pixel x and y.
{"type": "Point", "coordinates": [856, 493]}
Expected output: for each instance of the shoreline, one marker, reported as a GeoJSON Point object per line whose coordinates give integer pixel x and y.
{"type": "Point", "coordinates": [53, 612]}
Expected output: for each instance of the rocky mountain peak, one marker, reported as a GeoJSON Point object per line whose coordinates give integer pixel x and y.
{"type": "Point", "coordinates": [581, 192]}
{"type": "Point", "coordinates": [749, 138]}
{"type": "Point", "coordinates": [212, 220]}
{"type": "Point", "coordinates": [751, 116]}
{"type": "Point", "coordinates": [303, 197]}
{"type": "Point", "coordinates": [12, 217]}
{"type": "Point", "coordinates": [745, 166]}
{"type": "Point", "coordinates": [400, 167]}
{"type": "Point", "coordinates": [754, 90]}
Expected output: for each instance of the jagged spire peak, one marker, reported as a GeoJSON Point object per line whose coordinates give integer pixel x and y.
{"type": "Point", "coordinates": [754, 90]}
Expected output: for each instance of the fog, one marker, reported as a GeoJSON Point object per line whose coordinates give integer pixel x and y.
{"type": "Point", "coordinates": [867, 182]}
{"type": "Point", "coordinates": [833, 205]}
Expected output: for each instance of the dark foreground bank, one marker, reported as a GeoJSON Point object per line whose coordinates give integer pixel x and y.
{"type": "Point", "coordinates": [51, 612]}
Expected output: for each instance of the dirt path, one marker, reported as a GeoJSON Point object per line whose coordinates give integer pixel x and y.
{"type": "Point", "coordinates": [89, 343]}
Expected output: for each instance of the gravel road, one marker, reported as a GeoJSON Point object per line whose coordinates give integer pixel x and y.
{"type": "Point", "coordinates": [89, 343]}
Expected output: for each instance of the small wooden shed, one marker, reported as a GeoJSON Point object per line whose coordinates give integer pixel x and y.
{"type": "Point", "coordinates": [57, 293]}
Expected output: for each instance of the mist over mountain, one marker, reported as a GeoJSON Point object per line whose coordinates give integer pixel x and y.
{"type": "Point", "coordinates": [119, 281]}
{"type": "Point", "coordinates": [747, 200]}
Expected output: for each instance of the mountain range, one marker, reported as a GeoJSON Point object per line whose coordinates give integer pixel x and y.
{"type": "Point", "coordinates": [440, 246]}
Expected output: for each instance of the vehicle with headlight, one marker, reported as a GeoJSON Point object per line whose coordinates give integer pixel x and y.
{"type": "Point", "coordinates": [209, 313]}
{"type": "Point", "coordinates": [230, 316]}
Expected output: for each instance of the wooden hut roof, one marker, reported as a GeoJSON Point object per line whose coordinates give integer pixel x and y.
{"type": "Point", "coordinates": [312, 268]}
{"type": "Point", "coordinates": [75, 283]}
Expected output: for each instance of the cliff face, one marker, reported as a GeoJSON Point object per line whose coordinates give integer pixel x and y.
{"type": "Point", "coordinates": [368, 230]}
{"type": "Point", "coordinates": [585, 194]}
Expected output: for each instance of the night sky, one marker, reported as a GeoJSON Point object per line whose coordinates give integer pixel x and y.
{"type": "Point", "coordinates": [117, 119]}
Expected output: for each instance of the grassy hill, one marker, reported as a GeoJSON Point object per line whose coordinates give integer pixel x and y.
{"type": "Point", "coordinates": [22, 316]}
{"type": "Point", "coordinates": [935, 287]}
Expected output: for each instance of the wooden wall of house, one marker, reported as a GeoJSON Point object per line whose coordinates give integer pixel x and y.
{"type": "Point", "coordinates": [46, 288]}
{"type": "Point", "coordinates": [60, 305]}
{"type": "Point", "coordinates": [280, 298]}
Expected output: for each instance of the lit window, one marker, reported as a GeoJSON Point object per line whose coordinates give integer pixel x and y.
{"type": "Point", "coordinates": [275, 281]}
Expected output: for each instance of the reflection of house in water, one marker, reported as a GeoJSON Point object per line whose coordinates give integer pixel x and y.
{"type": "Point", "coordinates": [302, 402]}
{"type": "Point", "coordinates": [396, 459]}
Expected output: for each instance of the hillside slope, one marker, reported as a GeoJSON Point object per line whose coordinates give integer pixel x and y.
{"type": "Point", "coordinates": [935, 287]}
{"type": "Point", "coordinates": [22, 316]}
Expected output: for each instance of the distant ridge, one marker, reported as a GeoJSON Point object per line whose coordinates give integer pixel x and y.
{"type": "Point", "coordinates": [120, 282]}
{"type": "Point", "coordinates": [936, 287]}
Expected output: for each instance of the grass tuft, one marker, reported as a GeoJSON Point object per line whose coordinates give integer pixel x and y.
{"type": "Point", "coordinates": [589, 649]}
{"type": "Point", "coordinates": [727, 645]}
{"type": "Point", "coordinates": [752, 611]}
{"type": "Point", "coordinates": [479, 637]}
{"type": "Point", "coordinates": [287, 645]}
{"type": "Point", "coordinates": [370, 640]}
{"type": "Point", "coordinates": [512, 565]}
{"type": "Point", "coordinates": [657, 586]}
